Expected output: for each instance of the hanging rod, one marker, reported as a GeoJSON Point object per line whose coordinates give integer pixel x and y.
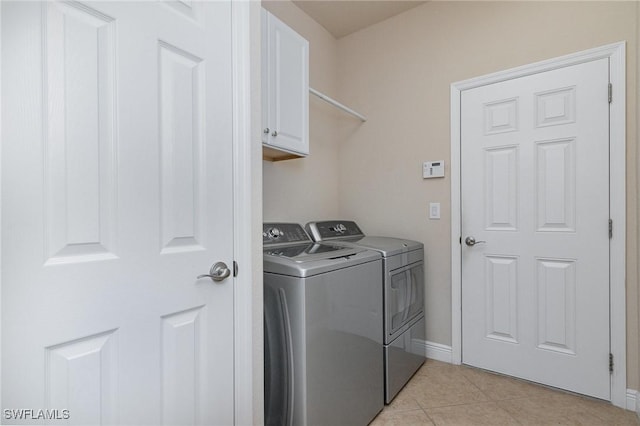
{"type": "Point", "coordinates": [337, 104]}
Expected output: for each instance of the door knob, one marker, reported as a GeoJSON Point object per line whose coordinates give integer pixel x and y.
{"type": "Point", "coordinates": [470, 241]}
{"type": "Point", "coordinates": [218, 272]}
{"type": "Point", "coordinates": [274, 133]}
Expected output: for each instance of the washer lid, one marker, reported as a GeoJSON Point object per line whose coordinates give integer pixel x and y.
{"type": "Point", "coordinates": [311, 252]}
{"type": "Point", "coordinates": [313, 259]}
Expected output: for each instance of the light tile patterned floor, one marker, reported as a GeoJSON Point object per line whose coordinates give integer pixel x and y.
{"type": "Point", "coordinates": [444, 394]}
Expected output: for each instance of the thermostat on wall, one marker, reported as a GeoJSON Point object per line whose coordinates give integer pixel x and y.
{"type": "Point", "coordinates": [432, 169]}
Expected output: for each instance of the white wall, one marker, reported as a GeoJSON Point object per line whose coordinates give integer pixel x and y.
{"type": "Point", "coordinates": [399, 72]}
{"type": "Point", "coordinates": [302, 190]}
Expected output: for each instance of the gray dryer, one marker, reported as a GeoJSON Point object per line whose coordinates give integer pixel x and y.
{"type": "Point", "coordinates": [403, 292]}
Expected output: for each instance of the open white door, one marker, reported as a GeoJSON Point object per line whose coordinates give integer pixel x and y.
{"type": "Point", "coordinates": [535, 200]}
{"type": "Point", "coordinates": [117, 194]}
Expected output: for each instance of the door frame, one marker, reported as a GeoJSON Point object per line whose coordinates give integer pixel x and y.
{"type": "Point", "coordinates": [247, 221]}
{"type": "Point", "coordinates": [617, 198]}
{"type": "Point", "coordinates": [0, 206]}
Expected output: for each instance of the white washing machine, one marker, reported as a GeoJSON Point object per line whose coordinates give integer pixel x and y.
{"type": "Point", "coordinates": [323, 330]}
{"type": "Point", "coordinates": [403, 292]}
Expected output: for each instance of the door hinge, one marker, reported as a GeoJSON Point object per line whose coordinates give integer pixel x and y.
{"type": "Point", "coordinates": [610, 363]}
{"type": "Point", "coordinates": [610, 92]}
{"type": "Point", "coordinates": [235, 268]}
{"type": "Point", "coordinates": [610, 228]}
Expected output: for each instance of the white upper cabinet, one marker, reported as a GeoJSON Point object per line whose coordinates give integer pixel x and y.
{"type": "Point", "coordinates": [285, 90]}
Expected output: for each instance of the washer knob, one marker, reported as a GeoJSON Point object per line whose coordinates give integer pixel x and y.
{"type": "Point", "coordinates": [274, 233]}
{"type": "Point", "coordinates": [341, 228]}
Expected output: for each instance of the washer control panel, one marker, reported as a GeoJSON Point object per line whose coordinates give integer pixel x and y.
{"type": "Point", "coordinates": [278, 233]}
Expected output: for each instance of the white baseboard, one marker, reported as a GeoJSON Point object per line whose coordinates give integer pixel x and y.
{"type": "Point", "coordinates": [632, 400]}
{"type": "Point", "coordinates": [436, 351]}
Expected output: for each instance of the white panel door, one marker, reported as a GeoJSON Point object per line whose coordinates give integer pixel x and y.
{"type": "Point", "coordinates": [116, 172]}
{"type": "Point", "coordinates": [535, 196]}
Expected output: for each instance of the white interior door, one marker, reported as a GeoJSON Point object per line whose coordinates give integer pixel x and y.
{"type": "Point", "coordinates": [116, 194]}
{"type": "Point", "coordinates": [535, 196]}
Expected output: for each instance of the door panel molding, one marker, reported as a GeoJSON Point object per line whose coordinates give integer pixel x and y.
{"type": "Point", "coordinates": [617, 187]}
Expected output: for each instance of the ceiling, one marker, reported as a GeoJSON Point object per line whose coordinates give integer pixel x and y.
{"type": "Point", "coordinates": [343, 17]}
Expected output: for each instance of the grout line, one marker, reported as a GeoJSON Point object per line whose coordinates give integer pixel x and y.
{"type": "Point", "coordinates": [507, 412]}
{"type": "Point", "coordinates": [433, 422]}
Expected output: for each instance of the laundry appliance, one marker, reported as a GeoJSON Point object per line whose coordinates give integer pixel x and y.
{"type": "Point", "coordinates": [323, 330]}
{"type": "Point", "coordinates": [403, 293]}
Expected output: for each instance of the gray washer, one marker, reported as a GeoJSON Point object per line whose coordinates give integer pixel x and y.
{"type": "Point", "coordinates": [403, 292]}
{"type": "Point", "coordinates": [323, 330]}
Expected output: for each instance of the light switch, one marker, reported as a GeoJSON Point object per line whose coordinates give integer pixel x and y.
{"type": "Point", "coordinates": [434, 210]}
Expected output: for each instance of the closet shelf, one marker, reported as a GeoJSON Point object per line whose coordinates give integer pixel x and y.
{"type": "Point", "coordinates": [337, 104]}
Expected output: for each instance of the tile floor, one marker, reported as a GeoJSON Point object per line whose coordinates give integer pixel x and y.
{"type": "Point", "coordinates": [444, 394]}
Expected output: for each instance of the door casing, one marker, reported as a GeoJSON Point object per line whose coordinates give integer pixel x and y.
{"type": "Point", "coordinates": [247, 220]}
{"type": "Point", "coordinates": [246, 167]}
{"type": "Point", "coordinates": [617, 198]}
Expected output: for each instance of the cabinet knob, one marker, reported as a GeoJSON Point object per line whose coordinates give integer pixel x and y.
{"type": "Point", "coordinates": [266, 131]}
{"type": "Point", "coordinates": [275, 133]}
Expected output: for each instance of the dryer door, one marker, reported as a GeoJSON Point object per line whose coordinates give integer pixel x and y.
{"type": "Point", "coordinates": [404, 298]}
{"type": "Point", "coordinates": [416, 299]}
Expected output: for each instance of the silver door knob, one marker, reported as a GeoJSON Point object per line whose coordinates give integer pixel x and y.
{"type": "Point", "coordinates": [275, 133]}
{"type": "Point", "coordinates": [218, 272]}
{"type": "Point", "coordinates": [470, 241]}
{"type": "Point", "coordinates": [266, 131]}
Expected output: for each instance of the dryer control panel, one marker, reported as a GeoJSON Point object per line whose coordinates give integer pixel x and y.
{"type": "Point", "coordinates": [283, 233]}
{"type": "Point", "coordinates": [333, 229]}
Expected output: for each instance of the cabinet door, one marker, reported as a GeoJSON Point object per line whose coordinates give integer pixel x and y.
{"type": "Point", "coordinates": [287, 88]}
